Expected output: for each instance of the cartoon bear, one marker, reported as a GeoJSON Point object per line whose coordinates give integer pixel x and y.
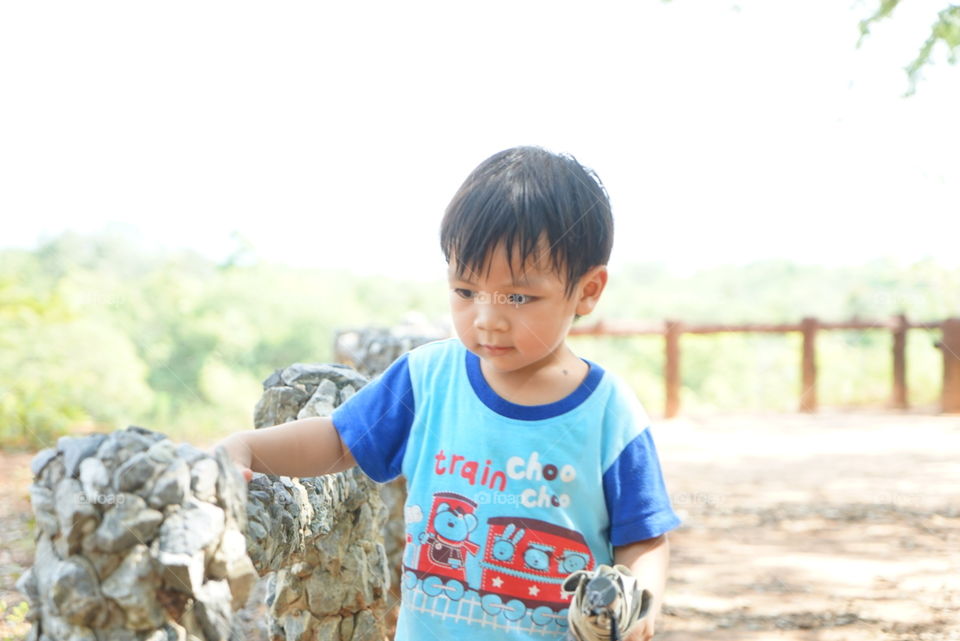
{"type": "Point", "coordinates": [448, 536]}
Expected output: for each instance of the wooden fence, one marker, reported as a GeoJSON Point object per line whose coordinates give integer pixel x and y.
{"type": "Point", "coordinates": [672, 331]}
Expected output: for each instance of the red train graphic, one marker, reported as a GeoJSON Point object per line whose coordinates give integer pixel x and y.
{"type": "Point", "coordinates": [523, 567]}
{"type": "Point", "coordinates": [444, 546]}
{"type": "Point", "coordinates": [525, 562]}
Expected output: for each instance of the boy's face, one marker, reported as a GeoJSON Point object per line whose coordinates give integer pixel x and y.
{"type": "Point", "coordinates": [518, 322]}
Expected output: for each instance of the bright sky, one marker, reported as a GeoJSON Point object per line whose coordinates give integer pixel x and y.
{"type": "Point", "coordinates": [335, 133]}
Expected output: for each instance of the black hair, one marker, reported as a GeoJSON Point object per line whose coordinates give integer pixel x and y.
{"type": "Point", "coordinates": [521, 194]}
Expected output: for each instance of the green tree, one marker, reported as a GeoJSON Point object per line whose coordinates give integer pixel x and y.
{"type": "Point", "coordinates": [945, 29]}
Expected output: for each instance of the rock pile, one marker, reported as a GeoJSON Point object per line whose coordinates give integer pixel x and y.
{"type": "Point", "coordinates": [323, 536]}
{"type": "Point", "coordinates": [138, 538]}
{"type": "Point", "coordinates": [143, 539]}
{"type": "Point", "coordinates": [371, 351]}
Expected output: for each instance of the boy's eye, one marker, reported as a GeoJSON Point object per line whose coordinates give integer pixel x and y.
{"type": "Point", "coordinates": [519, 299]}
{"type": "Point", "coordinates": [463, 293]}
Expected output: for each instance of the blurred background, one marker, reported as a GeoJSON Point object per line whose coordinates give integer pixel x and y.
{"type": "Point", "coordinates": [192, 195]}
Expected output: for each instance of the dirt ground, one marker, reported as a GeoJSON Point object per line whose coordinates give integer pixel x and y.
{"type": "Point", "coordinates": [826, 527]}
{"type": "Point", "coordinates": [837, 526]}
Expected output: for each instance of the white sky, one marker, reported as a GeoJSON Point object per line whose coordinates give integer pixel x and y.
{"type": "Point", "coordinates": [335, 133]}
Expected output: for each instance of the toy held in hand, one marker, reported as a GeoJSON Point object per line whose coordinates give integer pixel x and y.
{"type": "Point", "coordinates": [606, 602]}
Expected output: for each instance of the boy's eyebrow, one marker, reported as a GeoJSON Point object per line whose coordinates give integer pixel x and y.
{"type": "Point", "coordinates": [523, 281]}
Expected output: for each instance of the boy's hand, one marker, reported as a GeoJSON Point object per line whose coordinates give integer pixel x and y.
{"type": "Point", "coordinates": [239, 452]}
{"type": "Point", "coordinates": [642, 630]}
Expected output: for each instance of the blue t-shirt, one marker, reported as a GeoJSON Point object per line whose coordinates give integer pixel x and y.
{"type": "Point", "coordinates": [504, 500]}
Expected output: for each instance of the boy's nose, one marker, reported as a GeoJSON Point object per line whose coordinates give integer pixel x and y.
{"type": "Point", "coordinates": [488, 318]}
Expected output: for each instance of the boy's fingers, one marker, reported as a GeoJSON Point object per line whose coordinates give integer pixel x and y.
{"type": "Point", "coordinates": [247, 473]}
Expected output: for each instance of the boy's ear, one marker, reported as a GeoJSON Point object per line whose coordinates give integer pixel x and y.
{"type": "Point", "coordinates": [591, 286]}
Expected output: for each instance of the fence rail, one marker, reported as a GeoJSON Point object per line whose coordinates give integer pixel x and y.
{"type": "Point", "coordinates": [898, 326]}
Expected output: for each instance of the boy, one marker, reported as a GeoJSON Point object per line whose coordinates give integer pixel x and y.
{"type": "Point", "coordinates": [524, 463]}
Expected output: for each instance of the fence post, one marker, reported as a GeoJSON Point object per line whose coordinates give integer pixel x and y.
{"type": "Point", "coordinates": [808, 393]}
{"type": "Point", "coordinates": [950, 346]}
{"type": "Point", "coordinates": [900, 328]}
{"type": "Point", "coordinates": [672, 330]}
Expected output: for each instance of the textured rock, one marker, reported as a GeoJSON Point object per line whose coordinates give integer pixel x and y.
{"type": "Point", "coordinates": [95, 481]}
{"type": "Point", "coordinates": [322, 402]}
{"type": "Point", "coordinates": [371, 351]}
{"type": "Point", "coordinates": [142, 539]}
{"type": "Point", "coordinates": [41, 499]}
{"type": "Point", "coordinates": [278, 405]}
{"type": "Point", "coordinates": [131, 475]}
{"type": "Point", "coordinates": [75, 449]}
{"type": "Point", "coordinates": [133, 585]}
{"type": "Point", "coordinates": [75, 592]}
{"type": "Point", "coordinates": [203, 479]}
{"type": "Point", "coordinates": [126, 523]}
{"type": "Point", "coordinates": [171, 486]}
{"type": "Point", "coordinates": [41, 459]}
{"type": "Point", "coordinates": [212, 609]}
{"type": "Point", "coordinates": [75, 515]}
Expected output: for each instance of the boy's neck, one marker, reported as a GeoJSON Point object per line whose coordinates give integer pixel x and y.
{"type": "Point", "coordinates": [548, 381]}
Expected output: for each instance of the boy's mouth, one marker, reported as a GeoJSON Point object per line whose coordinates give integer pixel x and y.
{"type": "Point", "coordinates": [494, 350]}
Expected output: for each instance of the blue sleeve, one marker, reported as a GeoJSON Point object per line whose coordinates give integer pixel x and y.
{"type": "Point", "coordinates": [636, 496]}
{"type": "Point", "coordinates": [375, 422]}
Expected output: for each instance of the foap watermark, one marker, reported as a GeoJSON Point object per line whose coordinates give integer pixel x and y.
{"type": "Point", "coordinates": [496, 498]}
{"type": "Point", "coordinates": [500, 298]}
{"type": "Point", "coordinates": [102, 499]}
{"type": "Point", "coordinates": [898, 499]}
{"type": "Point", "coordinates": [709, 499]}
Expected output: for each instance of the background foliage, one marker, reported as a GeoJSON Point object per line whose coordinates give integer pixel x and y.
{"type": "Point", "coordinates": [98, 332]}
{"type": "Point", "coordinates": [945, 29]}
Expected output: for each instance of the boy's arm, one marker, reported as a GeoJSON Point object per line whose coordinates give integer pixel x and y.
{"type": "Point", "coordinates": [648, 560]}
{"type": "Point", "coordinates": [304, 448]}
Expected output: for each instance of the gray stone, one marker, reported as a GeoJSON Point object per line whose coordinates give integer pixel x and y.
{"type": "Point", "coordinates": [322, 402]}
{"type": "Point", "coordinates": [345, 393]}
{"type": "Point", "coordinates": [199, 565]}
{"type": "Point", "coordinates": [366, 627]}
{"type": "Point", "coordinates": [53, 472]}
{"type": "Point", "coordinates": [203, 479]}
{"type": "Point", "coordinates": [346, 629]}
{"type": "Point", "coordinates": [77, 448]}
{"type": "Point", "coordinates": [185, 537]}
{"type": "Point", "coordinates": [128, 522]}
{"type": "Point", "coordinates": [174, 632]}
{"type": "Point", "coordinates": [278, 405]}
{"type": "Point", "coordinates": [76, 516]}
{"type": "Point", "coordinates": [163, 451]}
{"type": "Point", "coordinates": [95, 481]}
{"type": "Point", "coordinates": [132, 474]}
{"type": "Point", "coordinates": [150, 435]}
{"type": "Point", "coordinates": [171, 486]}
{"type": "Point", "coordinates": [181, 571]}
{"type": "Point", "coordinates": [133, 585]}
{"type": "Point", "coordinates": [231, 562]}
{"type": "Point", "coordinates": [56, 628]}
{"type": "Point", "coordinates": [196, 526]}
{"type": "Point", "coordinates": [27, 585]}
{"type": "Point", "coordinates": [44, 510]}
{"type": "Point", "coordinates": [75, 592]}
{"type": "Point", "coordinates": [189, 453]}
{"type": "Point", "coordinates": [303, 374]}
{"type": "Point", "coordinates": [119, 634]}
{"type": "Point", "coordinates": [44, 561]}
{"type": "Point", "coordinates": [231, 491]}
{"type": "Point", "coordinates": [212, 609]}
{"type": "Point", "coordinates": [119, 447]}
{"type": "Point", "coordinates": [274, 380]}
{"type": "Point", "coordinates": [41, 459]}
